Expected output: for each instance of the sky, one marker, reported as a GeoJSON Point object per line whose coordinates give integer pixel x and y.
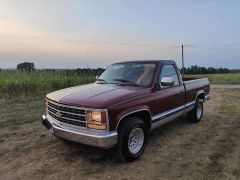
{"type": "Point", "coordinates": [93, 33]}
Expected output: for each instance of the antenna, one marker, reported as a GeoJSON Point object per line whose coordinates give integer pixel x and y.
{"type": "Point", "coordinates": [182, 62]}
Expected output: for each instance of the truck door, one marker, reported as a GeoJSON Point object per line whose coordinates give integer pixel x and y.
{"type": "Point", "coordinates": [169, 100]}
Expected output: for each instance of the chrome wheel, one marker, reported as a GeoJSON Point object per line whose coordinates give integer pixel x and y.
{"type": "Point", "coordinates": [199, 111]}
{"type": "Point", "coordinates": [135, 140]}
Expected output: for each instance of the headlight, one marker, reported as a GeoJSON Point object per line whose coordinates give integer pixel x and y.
{"type": "Point", "coordinates": [96, 119]}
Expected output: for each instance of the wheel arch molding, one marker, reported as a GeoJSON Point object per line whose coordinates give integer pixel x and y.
{"type": "Point", "coordinates": [141, 112]}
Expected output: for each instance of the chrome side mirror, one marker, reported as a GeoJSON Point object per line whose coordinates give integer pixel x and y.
{"type": "Point", "coordinates": [167, 81]}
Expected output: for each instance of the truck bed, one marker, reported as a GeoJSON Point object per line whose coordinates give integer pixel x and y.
{"type": "Point", "coordinates": [189, 78]}
{"type": "Point", "coordinates": [194, 86]}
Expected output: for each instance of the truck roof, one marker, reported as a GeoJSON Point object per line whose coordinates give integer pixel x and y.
{"type": "Point", "coordinates": [148, 61]}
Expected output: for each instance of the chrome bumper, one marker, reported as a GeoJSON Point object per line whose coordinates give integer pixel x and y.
{"type": "Point", "coordinates": [98, 139]}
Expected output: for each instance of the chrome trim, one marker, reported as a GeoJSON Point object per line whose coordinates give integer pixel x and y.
{"type": "Point", "coordinates": [165, 116]}
{"type": "Point", "coordinates": [161, 115]}
{"type": "Point", "coordinates": [82, 108]}
{"type": "Point", "coordinates": [170, 115]}
{"type": "Point", "coordinates": [76, 107]}
{"type": "Point", "coordinates": [207, 97]}
{"type": "Point", "coordinates": [132, 113]}
{"type": "Point", "coordinates": [167, 119]}
{"type": "Point", "coordinates": [99, 139]}
{"type": "Point", "coordinates": [72, 119]}
{"type": "Point", "coordinates": [200, 92]}
{"type": "Point", "coordinates": [67, 112]}
{"type": "Point", "coordinates": [64, 105]}
{"type": "Point", "coordinates": [189, 106]}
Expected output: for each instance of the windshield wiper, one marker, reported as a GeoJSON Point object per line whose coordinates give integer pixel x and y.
{"type": "Point", "coordinates": [126, 82]}
{"type": "Point", "coordinates": [122, 80]}
{"type": "Point", "coordinates": [102, 81]}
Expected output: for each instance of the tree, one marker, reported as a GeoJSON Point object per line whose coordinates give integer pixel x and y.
{"type": "Point", "coordinates": [211, 70]}
{"type": "Point", "coordinates": [203, 70]}
{"type": "Point", "coordinates": [26, 66]}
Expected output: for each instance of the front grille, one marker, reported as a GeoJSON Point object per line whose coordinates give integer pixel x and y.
{"type": "Point", "coordinates": [67, 114]}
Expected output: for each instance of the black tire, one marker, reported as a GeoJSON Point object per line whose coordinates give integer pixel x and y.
{"type": "Point", "coordinates": [130, 125]}
{"type": "Point", "coordinates": [196, 114]}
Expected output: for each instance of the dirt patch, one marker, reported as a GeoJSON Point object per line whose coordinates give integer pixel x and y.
{"type": "Point", "coordinates": [178, 150]}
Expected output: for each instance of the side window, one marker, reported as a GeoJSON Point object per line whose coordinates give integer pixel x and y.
{"type": "Point", "coordinates": [170, 71]}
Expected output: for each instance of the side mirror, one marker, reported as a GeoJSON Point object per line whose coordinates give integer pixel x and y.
{"type": "Point", "coordinates": [97, 77]}
{"type": "Point", "coordinates": [167, 81]}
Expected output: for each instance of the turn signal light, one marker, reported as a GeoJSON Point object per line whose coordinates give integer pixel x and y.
{"type": "Point", "coordinates": [97, 126]}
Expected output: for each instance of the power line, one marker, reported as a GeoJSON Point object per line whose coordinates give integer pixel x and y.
{"type": "Point", "coordinates": [98, 42]}
{"type": "Point", "coordinates": [212, 46]}
{"type": "Point", "coordinates": [112, 43]}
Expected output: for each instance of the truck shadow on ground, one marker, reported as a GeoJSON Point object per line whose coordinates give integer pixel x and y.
{"type": "Point", "coordinates": [89, 152]}
{"type": "Point", "coordinates": [94, 154]}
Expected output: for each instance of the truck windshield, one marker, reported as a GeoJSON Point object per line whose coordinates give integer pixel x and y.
{"type": "Point", "coordinates": [136, 74]}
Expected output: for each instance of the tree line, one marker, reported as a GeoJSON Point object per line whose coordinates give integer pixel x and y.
{"type": "Point", "coordinates": [78, 71]}
{"type": "Point", "coordinates": [210, 70]}
{"type": "Point", "coordinates": [29, 67]}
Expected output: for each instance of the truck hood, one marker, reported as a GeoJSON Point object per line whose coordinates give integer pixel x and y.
{"type": "Point", "coordinates": [95, 95]}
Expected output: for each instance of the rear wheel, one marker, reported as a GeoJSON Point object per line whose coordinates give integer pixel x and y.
{"type": "Point", "coordinates": [196, 114]}
{"type": "Point", "coordinates": [132, 139]}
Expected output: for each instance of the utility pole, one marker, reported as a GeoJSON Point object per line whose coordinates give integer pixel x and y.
{"type": "Point", "coordinates": [182, 62]}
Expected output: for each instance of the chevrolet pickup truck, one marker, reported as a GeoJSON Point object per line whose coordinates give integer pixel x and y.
{"type": "Point", "coordinates": [125, 103]}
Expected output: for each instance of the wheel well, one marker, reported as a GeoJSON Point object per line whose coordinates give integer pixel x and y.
{"type": "Point", "coordinates": [201, 96]}
{"type": "Point", "coordinates": [144, 115]}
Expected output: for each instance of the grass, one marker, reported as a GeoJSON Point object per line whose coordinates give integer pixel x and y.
{"type": "Point", "coordinates": [18, 111]}
{"type": "Point", "coordinates": [27, 145]}
{"type": "Point", "coordinates": [14, 83]}
{"type": "Point", "coordinates": [40, 82]}
{"type": "Point", "coordinates": [220, 78]}
{"type": "Point", "coordinates": [227, 144]}
{"type": "Point", "coordinates": [236, 172]}
{"type": "Point", "coordinates": [225, 147]}
{"type": "Point", "coordinates": [231, 105]}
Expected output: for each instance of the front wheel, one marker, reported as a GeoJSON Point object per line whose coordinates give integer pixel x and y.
{"type": "Point", "coordinates": [132, 139]}
{"type": "Point", "coordinates": [196, 114]}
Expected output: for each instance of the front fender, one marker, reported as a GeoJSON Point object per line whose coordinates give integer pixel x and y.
{"type": "Point", "coordinates": [132, 110]}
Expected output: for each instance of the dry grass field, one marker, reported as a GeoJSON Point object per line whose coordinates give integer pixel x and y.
{"type": "Point", "coordinates": [178, 150]}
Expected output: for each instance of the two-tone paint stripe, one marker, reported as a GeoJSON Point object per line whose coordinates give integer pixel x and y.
{"type": "Point", "coordinates": [171, 112]}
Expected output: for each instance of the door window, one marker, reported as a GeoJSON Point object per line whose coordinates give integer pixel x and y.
{"type": "Point", "coordinates": [170, 71]}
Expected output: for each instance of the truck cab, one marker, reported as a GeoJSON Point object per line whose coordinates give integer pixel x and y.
{"type": "Point", "coordinates": [125, 103]}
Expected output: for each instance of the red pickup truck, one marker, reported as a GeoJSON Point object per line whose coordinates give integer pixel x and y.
{"type": "Point", "coordinates": [127, 101]}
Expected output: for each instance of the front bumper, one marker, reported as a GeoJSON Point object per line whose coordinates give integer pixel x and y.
{"type": "Point", "coordinates": [98, 139]}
